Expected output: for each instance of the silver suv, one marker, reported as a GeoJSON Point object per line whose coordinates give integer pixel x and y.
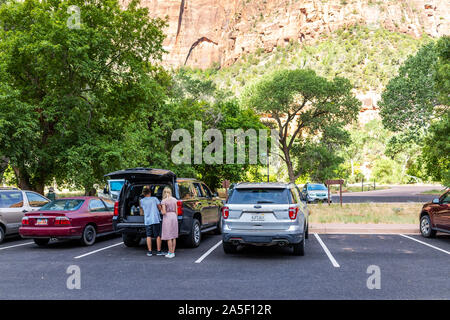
{"type": "Point", "coordinates": [265, 214]}
{"type": "Point", "coordinates": [14, 204]}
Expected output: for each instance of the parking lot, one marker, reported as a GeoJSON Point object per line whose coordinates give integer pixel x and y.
{"type": "Point", "coordinates": [334, 267]}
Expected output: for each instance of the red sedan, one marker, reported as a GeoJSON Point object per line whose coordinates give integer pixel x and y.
{"type": "Point", "coordinates": [82, 218]}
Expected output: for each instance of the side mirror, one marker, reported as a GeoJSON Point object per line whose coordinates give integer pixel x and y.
{"type": "Point", "coordinates": [436, 201]}
{"type": "Point", "coordinates": [105, 191]}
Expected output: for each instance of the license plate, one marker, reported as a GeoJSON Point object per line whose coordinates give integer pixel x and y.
{"type": "Point", "coordinates": [41, 222]}
{"type": "Point", "coordinates": [258, 217]}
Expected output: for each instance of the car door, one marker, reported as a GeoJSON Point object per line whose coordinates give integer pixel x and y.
{"type": "Point", "coordinates": [98, 214]}
{"type": "Point", "coordinates": [204, 204]}
{"type": "Point", "coordinates": [34, 201]}
{"type": "Point", "coordinates": [12, 210]}
{"type": "Point", "coordinates": [213, 205]}
{"type": "Point", "coordinates": [108, 216]}
{"type": "Point", "coordinates": [442, 212]}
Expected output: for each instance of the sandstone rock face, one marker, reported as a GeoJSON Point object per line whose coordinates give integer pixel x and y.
{"type": "Point", "coordinates": [202, 33]}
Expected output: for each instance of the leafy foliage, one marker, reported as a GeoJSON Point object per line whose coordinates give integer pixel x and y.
{"type": "Point", "coordinates": [67, 95]}
{"type": "Point", "coordinates": [308, 104]}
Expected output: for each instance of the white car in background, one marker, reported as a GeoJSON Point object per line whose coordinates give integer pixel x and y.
{"type": "Point", "coordinates": [113, 188]}
{"type": "Point", "coordinates": [14, 203]}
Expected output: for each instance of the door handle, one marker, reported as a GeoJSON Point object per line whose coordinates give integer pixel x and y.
{"type": "Point", "coordinates": [24, 211]}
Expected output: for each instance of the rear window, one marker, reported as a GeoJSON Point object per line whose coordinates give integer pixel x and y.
{"type": "Point", "coordinates": [259, 195]}
{"type": "Point", "coordinates": [11, 199]}
{"type": "Point", "coordinates": [317, 187]}
{"type": "Point", "coordinates": [116, 185]}
{"type": "Point", "coordinates": [63, 205]}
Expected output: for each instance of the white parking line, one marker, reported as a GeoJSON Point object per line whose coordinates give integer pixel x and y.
{"type": "Point", "coordinates": [330, 256]}
{"type": "Point", "coordinates": [17, 245]}
{"type": "Point", "coordinates": [429, 245]}
{"type": "Point", "coordinates": [207, 253]}
{"type": "Point", "coordinates": [98, 250]}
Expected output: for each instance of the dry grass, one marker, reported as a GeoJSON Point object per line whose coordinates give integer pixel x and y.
{"type": "Point", "coordinates": [365, 213]}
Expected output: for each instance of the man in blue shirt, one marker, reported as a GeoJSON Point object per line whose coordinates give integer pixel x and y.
{"type": "Point", "coordinates": [150, 208]}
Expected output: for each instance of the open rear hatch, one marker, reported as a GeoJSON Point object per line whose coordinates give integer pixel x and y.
{"type": "Point", "coordinates": [136, 178]}
{"type": "Point", "coordinates": [144, 175]}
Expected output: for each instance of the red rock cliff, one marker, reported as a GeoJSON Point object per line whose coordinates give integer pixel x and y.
{"type": "Point", "coordinates": [204, 32]}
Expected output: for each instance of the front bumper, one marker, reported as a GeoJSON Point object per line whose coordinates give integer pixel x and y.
{"type": "Point", "coordinates": [50, 232]}
{"type": "Point", "coordinates": [263, 239]}
{"type": "Point", "coordinates": [317, 198]}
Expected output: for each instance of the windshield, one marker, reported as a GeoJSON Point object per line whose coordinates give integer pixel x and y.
{"type": "Point", "coordinates": [316, 187]}
{"type": "Point", "coordinates": [116, 185]}
{"type": "Point", "coordinates": [63, 205]}
{"type": "Point", "coordinates": [260, 195]}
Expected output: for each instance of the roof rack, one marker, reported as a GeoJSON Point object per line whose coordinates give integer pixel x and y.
{"type": "Point", "coordinates": [8, 188]}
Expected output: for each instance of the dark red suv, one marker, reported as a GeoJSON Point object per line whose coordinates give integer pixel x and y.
{"type": "Point", "coordinates": [435, 216]}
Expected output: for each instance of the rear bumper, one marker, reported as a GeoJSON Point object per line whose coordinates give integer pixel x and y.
{"type": "Point", "coordinates": [266, 239]}
{"type": "Point", "coordinates": [139, 228]}
{"type": "Point", "coordinates": [50, 232]}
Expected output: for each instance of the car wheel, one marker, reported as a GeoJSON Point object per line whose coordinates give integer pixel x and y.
{"type": "Point", "coordinates": [41, 242]}
{"type": "Point", "coordinates": [89, 235]}
{"type": "Point", "coordinates": [219, 227]}
{"type": "Point", "coordinates": [2, 234]}
{"type": "Point", "coordinates": [299, 248]}
{"type": "Point", "coordinates": [195, 235]}
{"type": "Point", "coordinates": [131, 240]}
{"type": "Point", "coordinates": [307, 232]}
{"type": "Point", "coordinates": [425, 227]}
{"type": "Point", "coordinates": [229, 248]}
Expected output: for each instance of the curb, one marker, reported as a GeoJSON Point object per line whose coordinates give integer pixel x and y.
{"type": "Point", "coordinates": [363, 229]}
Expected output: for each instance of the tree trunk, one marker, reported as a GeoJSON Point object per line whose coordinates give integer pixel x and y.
{"type": "Point", "coordinates": [288, 162]}
{"type": "Point", "coordinates": [23, 180]}
{"type": "Point", "coordinates": [90, 191]}
{"type": "Point", "coordinates": [4, 162]}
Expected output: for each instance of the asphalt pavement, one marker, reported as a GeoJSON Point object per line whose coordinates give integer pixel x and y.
{"type": "Point", "coordinates": [334, 267]}
{"type": "Point", "coordinates": [393, 194]}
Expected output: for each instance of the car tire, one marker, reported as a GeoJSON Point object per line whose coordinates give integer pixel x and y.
{"type": "Point", "coordinates": [219, 227]}
{"type": "Point", "coordinates": [131, 240]}
{"type": "Point", "coordinates": [2, 234]}
{"type": "Point", "coordinates": [229, 248]}
{"type": "Point", "coordinates": [89, 235]}
{"type": "Point", "coordinates": [425, 227]}
{"type": "Point", "coordinates": [307, 232]}
{"type": "Point", "coordinates": [41, 242]}
{"type": "Point", "coordinates": [299, 248]}
{"type": "Point", "coordinates": [195, 235]}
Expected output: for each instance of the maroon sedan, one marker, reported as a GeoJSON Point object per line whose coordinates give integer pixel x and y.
{"type": "Point", "coordinates": [82, 218]}
{"type": "Point", "coordinates": [435, 216]}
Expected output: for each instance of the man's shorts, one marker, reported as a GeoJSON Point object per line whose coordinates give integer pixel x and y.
{"type": "Point", "coordinates": [153, 230]}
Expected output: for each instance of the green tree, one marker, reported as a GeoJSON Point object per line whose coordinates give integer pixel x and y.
{"type": "Point", "coordinates": [68, 92]}
{"type": "Point", "coordinates": [436, 150]}
{"type": "Point", "coordinates": [410, 99]}
{"type": "Point", "coordinates": [195, 99]}
{"type": "Point", "coordinates": [443, 70]}
{"type": "Point", "coordinates": [302, 105]}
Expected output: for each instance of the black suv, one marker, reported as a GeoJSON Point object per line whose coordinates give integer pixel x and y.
{"type": "Point", "coordinates": [198, 209]}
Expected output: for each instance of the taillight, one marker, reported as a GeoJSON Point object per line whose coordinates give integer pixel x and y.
{"type": "Point", "coordinates": [180, 207]}
{"type": "Point", "coordinates": [62, 221]}
{"type": "Point", "coordinates": [225, 212]}
{"type": "Point", "coordinates": [293, 213]}
{"type": "Point", "coordinates": [25, 221]}
{"type": "Point", "coordinates": [116, 208]}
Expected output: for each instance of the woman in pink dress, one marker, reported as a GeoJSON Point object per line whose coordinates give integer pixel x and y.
{"type": "Point", "coordinates": [170, 221]}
